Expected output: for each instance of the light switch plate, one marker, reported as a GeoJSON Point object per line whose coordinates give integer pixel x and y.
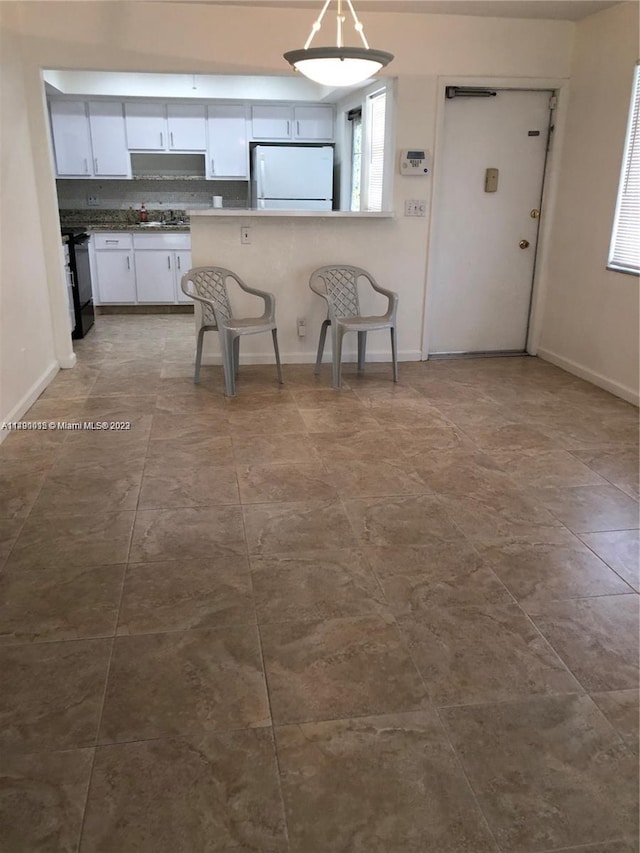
{"type": "Point", "coordinates": [245, 234]}
{"type": "Point", "coordinates": [491, 180]}
{"type": "Point", "coordinates": [415, 207]}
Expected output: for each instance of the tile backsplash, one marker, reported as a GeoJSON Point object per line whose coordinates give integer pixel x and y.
{"type": "Point", "coordinates": [164, 194]}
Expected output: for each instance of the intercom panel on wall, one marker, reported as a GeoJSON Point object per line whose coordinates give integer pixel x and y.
{"type": "Point", "coordinates": [415, 161]}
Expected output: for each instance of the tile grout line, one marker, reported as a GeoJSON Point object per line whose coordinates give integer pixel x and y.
{"type": "Point", "coordinates": [108, 670]}
{"type": "Point", "coordinates": [278, 769]}
{"type": "Point", "coordinates": [445, 731]}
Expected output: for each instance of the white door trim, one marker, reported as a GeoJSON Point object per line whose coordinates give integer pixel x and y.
{"type": "Point", "coordinates": [561, 87]}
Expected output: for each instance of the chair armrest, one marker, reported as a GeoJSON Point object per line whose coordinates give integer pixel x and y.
{"type": "Point", "coordinates": [391, 296]}
{"type": "Point", "coordinates": [269, 299]}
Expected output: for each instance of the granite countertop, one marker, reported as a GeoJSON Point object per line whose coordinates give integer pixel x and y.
{"type": "Point", "coordinates": [122, 220]}
{"type": "Point", "coordinates": [119, 226]}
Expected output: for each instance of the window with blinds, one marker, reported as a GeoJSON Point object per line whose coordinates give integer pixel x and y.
{"type": "Point", "coordinates": [624, 254]}
{"type": "Point", "coordinates": [377, 111]}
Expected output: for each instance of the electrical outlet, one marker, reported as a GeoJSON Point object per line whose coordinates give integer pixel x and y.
{"type": "Point", "coordinates": [415, 207]}
{"type": "Point", "coordinates": [245, 234]}
{"type": "Point", "coordinates": [93, 201]}
{"type": "Point", "coordinates": [302, 327]}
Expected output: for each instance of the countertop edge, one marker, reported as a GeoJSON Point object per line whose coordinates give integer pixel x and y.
{"type": "Point", "coordinates": [292, 214]}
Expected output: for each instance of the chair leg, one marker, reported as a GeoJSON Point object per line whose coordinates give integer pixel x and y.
{"type": "Point", "coordinates": [338, 334]}
{"type": "Point", "coordinates": [227, 344]}
{"type": "Point", "coordinates": [274, 335]}
{"type": "Point", "coordinates": [236, 356]}
{"type": "Point", "coordinates": [323, 336]}
{"type": "Point", "coordinates": [362, 349]}
{"type": "Point", "coordinates": [394, 353]}
{"type": "Point", "coordinates": [196, 376]}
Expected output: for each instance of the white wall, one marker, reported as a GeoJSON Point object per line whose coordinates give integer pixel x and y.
{"type": "Point", "coordinates": [27, 356]}
{"type": "Point", "coordinates": [204, 38]}
{"type": "Point", "coordinates": [590, 321]}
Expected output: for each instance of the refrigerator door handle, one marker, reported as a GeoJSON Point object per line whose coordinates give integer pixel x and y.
{"type": "Point", "coordinates": [261, 182]}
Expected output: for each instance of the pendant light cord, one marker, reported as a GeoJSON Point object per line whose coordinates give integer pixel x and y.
{"type": "Point", "coordinates": [357, 24]}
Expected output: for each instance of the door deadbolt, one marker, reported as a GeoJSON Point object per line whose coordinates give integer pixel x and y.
{"type": "Point", "coordinates": [524, 244]}
{"type": "Point", "coordinates": [534, 213]}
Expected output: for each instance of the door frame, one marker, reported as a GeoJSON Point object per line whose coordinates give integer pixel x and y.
{"type": "Point", "coordinates": [554, 85]}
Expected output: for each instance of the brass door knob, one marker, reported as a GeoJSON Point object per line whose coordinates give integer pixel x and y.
{"type": "Point", "coordinates": [524, 244]}
{"type": "Point", "coordinates": [534, 213]}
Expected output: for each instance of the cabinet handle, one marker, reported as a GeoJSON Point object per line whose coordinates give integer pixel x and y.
{"type": "Point", "coordinates": [128, 263]}
{"type": "Point", "coordinates": [298, 128]}
{"type": "Point", "coordinates": [178, 260]}
{"type": "Point", "coordinates": [86, 166]}
{"type": "Point", "coordinates": [112, 241]}
{"type": "Point", "coordinates": [95, 165]}
{"type": "Point", "coordinates": [161, 140]}
{"type": "Point", "coordinates": [288, 128]}
{"type": "Point", "coordinates": [171, 138]}
{"type": "Point", "coordinates": [168, 262]}
{"type": "Point", "coordinates": [213, 166]}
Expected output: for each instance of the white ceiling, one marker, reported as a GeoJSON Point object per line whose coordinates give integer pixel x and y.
{"type": "Point", "coordinates": [568, 10]}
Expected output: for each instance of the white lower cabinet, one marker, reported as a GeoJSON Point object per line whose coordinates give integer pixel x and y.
{"type": "Point", "coordinates": [160, 262]}
{"type": "Point", "coordinates": [155, 276]}
{"type": "Point", "coordinates": [183, 265]}
{"type": "Point", "coordinates": [114, 271]}
{"type": "Point", "coordinates": [140, 269]}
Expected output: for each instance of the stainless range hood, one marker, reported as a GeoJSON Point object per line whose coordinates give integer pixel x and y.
{"type": "Point", "coordinates": [163, 166]}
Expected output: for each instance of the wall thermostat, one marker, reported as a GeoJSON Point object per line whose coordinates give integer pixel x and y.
{"type": "Point", "coordinates": [415, 161]}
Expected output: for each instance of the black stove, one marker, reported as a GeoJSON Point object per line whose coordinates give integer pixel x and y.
{"type": "Point", "coordinates": [78, 242]}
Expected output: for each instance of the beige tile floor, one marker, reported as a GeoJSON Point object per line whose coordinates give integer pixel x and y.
{"type": "Point", "coordinates": [394, 619]}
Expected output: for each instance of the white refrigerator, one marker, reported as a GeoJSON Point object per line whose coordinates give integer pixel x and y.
{"type": "Point", "coordinates": [292, 177]}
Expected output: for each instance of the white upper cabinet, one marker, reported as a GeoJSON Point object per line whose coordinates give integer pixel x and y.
{"type": "Point", "coordinates": [300, 124]}
{"type": "Point", "coordinates": [313, 123]}
{"type": "Point", "coordinates": [146, 126]}
{"type": "Point", "coordinates": [71, 139]}
{"type": "Point", "coordinates": [109, 140]}
{"type": "Point", "coordinates": [271, 122]}
{"type": "Point", "coordinates": [228, 152]}
{"type": "Point", "coordinates": [187, 127]}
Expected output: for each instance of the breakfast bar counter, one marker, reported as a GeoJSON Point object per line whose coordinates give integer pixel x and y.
{"type": "Point", "coordinates": [294, 214]}
{"type": "Point", "coordinates": [277, 250]}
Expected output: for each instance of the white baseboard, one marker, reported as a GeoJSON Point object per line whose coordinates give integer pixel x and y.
{"type": "Point", "coordinates": [628, 394]}
{"type": "Point", "coordinates": [310, 358]}
{"type": "Point", "coordinates": [29, 398]}
{"type": "Point", "coordinates": [68, 361]}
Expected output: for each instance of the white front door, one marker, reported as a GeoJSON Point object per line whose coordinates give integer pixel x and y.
{"type": "Point", "coordinates": [484, 243]}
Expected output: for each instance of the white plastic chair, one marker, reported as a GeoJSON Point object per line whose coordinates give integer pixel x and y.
{"type": "Point", "coordinates": [338, 285]}
{"type": "Point", "coordinates": [208, 286]}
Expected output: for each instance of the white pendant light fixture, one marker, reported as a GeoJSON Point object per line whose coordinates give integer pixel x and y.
{"type": "Point", "coordinates": [339, 65]}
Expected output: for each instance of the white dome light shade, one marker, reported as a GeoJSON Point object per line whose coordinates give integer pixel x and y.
{"type": "Point", "coordinates": [338, 66]}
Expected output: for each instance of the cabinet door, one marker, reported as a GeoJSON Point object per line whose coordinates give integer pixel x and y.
{"type": "Point", "coordinates": [116, 276]}
{"type": "Point", "coordinates": [146, 125]}
{"type": "Point", "coordinates": [108, 139]}
{"type": "Point", "coordinates": [228, 155]}
{"type": "Point", "coordinates": [155, 276]}
{"type": "Point", "coordinates": [183, 265]}
{"type": "Point", "coordinates": [313, 123]}
{"type": "Point", "coordinates": [271, 122]}
{"type": "Point", "coordinates": [71, 140]}
{"type": "Point", "coordinates": [187, 127]}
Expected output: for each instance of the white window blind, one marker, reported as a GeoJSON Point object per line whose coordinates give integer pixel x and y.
{"type": "Point", "coordinates": [625, 241]}
{"type": "Point", "coordinates": [377, 110]}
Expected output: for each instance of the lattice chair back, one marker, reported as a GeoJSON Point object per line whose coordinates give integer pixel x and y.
{"type": "Point", "coordinates": [211, 284]}
{"type": "Point", "coordinates": [342, 290]}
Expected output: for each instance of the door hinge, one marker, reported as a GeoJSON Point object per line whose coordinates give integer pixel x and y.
{"type": "Point", "coordinates": [553, 102]}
